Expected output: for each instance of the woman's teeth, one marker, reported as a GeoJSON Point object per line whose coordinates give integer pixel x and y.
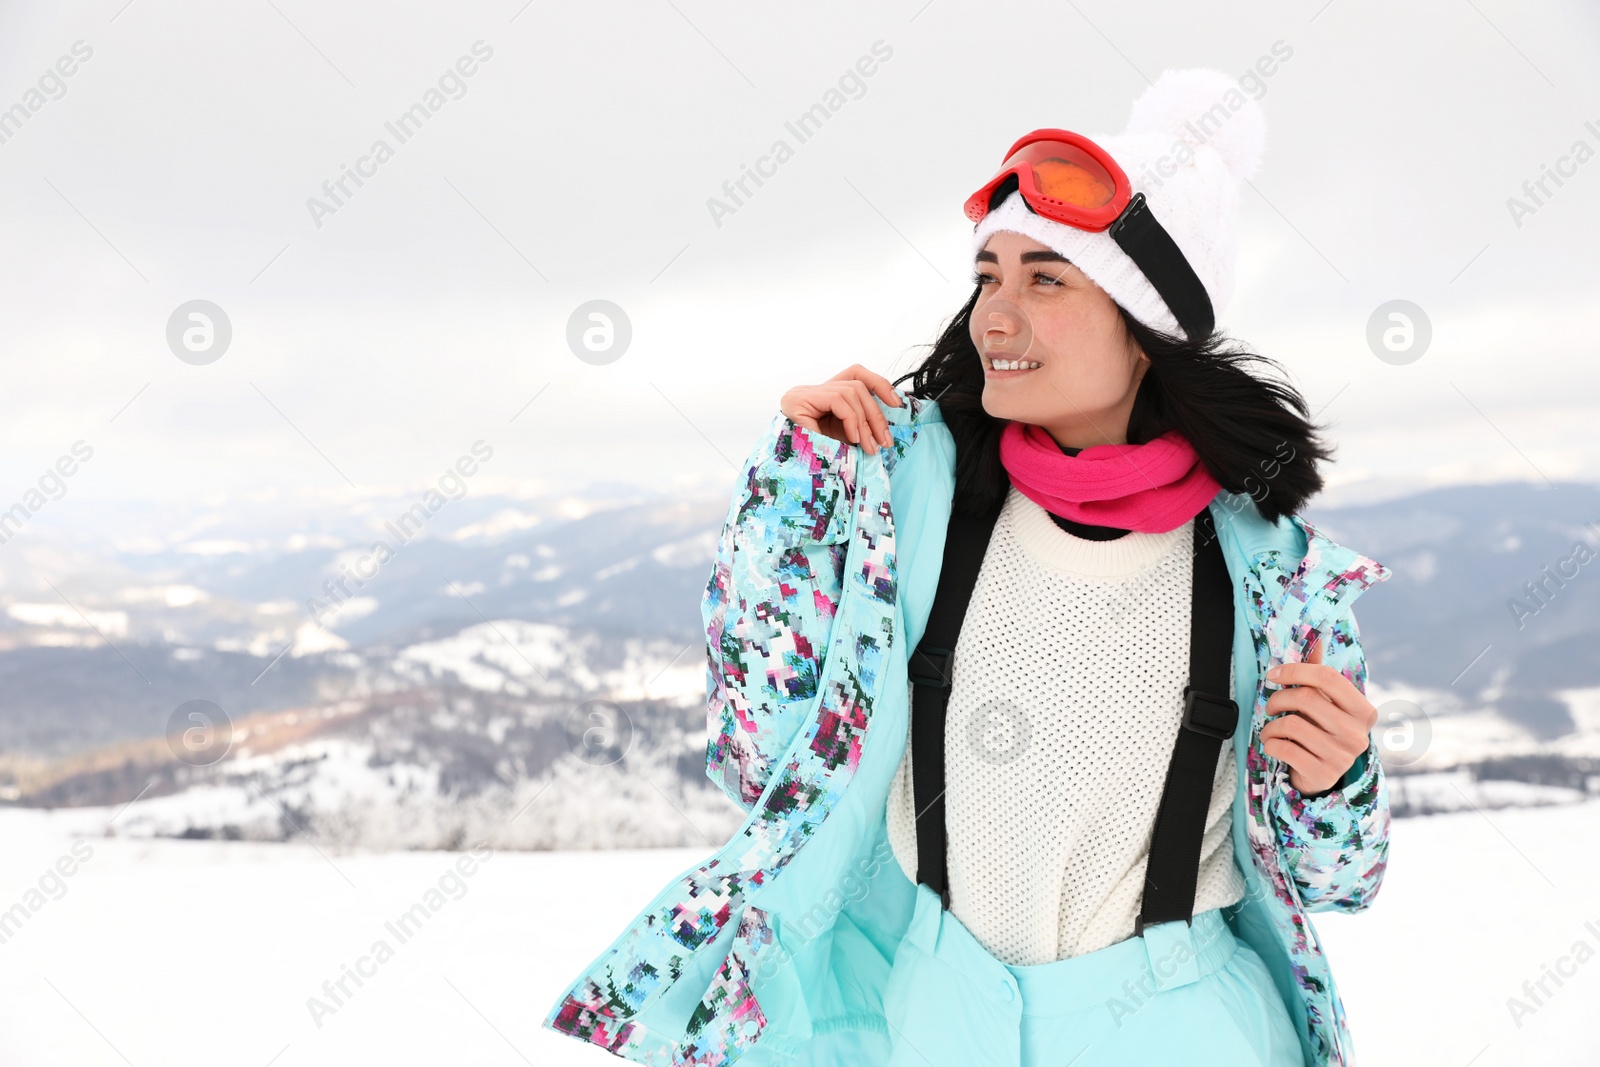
{"type": "Point", "coordinates": [1014, 364]}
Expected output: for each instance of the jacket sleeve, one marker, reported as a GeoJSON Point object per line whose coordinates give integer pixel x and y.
{"type": "Point", "coordinates": [775, 583]}
{"type": "Point", "coordinates": [1336, 844]}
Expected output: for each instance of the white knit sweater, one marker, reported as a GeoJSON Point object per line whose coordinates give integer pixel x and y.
{"type": "Point", "coordinates": [1069, 675]}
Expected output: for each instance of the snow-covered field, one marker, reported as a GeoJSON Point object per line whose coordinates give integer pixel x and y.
{"type": "Point", "coordinates": [171, 953]}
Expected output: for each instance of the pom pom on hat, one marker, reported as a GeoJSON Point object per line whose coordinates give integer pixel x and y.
{"type": "Point", "coordinates": [1204, 108]}
{"type": "Point", "coordinates": [1192, 138]}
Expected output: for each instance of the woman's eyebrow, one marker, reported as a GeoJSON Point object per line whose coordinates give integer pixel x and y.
{"type": "Point", "coordinates": [1046, 256]}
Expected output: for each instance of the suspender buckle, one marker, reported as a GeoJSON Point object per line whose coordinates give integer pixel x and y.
{"type": "Point", "coordinates": [1139, 924]}
{"type": "Point", "coordinates": [1209, 714]}
{"type": "Point", "coordinates": [928, 659]}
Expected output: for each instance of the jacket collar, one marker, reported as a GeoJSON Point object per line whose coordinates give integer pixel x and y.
{"type": "Point", "coordinates": [1306, 578]}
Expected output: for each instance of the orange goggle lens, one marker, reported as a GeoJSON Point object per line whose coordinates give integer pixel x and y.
{"type": "Point", "coordinates": [1067, 173]}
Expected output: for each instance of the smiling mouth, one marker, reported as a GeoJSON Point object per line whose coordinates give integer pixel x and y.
{"type": "Point", "coordinates": [994, 363]}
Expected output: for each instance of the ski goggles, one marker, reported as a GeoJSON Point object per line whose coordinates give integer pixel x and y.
{"type": "Point", "coordinates": [1067, 178]}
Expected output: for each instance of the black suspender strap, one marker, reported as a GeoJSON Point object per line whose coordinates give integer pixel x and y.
{"type": "Point", "coordinates": [931, 670]}
{"type": "Point", "coordinates": [1209, 718]}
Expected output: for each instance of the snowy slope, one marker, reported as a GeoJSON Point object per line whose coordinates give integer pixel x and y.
{"type": "Point", "coordinates": [184, 953]}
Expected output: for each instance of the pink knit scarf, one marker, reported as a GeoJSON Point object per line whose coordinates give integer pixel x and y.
{"type": "Point", "coordinates": [1153, 487]}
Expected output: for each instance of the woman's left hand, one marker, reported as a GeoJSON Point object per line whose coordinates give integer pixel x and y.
{"type": "Point", "coordinates": [1319, 724]}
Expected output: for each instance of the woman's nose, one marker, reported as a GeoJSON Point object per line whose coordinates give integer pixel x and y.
{"type": "Point", "coordinates": [1007, 331]}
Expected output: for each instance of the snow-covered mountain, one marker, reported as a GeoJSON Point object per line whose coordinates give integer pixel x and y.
{"type": "Point", "coordinates": [100, 646]}
{"type": "Point", "coordinates": [526, 735]}
{"type": "Point", "coordinates": [534, 675]}
{"type": "Point", "coordinates": [1484, 647]}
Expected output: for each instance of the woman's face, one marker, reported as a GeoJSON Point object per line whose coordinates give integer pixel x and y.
{"type": "Point", "coordinates": [1038, 308]}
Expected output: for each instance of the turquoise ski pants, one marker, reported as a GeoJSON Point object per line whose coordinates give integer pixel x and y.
{"type": "Point", "coordinates": [1182, 993]}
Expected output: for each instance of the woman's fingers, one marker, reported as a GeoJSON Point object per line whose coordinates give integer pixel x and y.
{"type": "Point", "coordinates": [872, 412]}
{"type": "Point", "coordinates": [827, 409]}
{"type": "Point", "coordinates": [843, 408]}
{"type": "Point", "coordinates": [1307, 751]}
{"type": "Point", "coordinates": [847, 403]}
{"type": "Point", "coordinates": [1312, 735]}
{"type": "Point", "coordinates": [865, 384]}
{"type": "Point", "coordinates": [811, 406]}
{"type": "Point", "coordinates": [879, 385]}
{"type": "Point", "coordinates": [1313, 705]}
{"type": "Point", "coordinates": [1331, 683]}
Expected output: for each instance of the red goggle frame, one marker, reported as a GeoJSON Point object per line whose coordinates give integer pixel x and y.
{"type": "Point", "coordinates": [1063, 176]}
{"type": "Point", "coordinates": [1068, 178]}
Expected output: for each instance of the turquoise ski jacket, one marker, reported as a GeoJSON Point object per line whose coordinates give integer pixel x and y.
{"type": "Point", "coordinates": [777, 947]}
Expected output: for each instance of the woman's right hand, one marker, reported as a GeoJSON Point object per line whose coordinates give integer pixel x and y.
{"type": "Point", "coordinates": [842, 407]}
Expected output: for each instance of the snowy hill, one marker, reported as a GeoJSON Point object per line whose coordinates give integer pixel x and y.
{"type": "Point", "coordinates": [517, 659]}
{"type": "Point", "coordinates": [1484, 648]}
{"type": "Point", "coordinates": [187, 953]}
{"type": "Point", "coordinates": [523, 734]}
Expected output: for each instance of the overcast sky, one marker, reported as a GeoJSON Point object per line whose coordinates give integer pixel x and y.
{"type": "Point", "coordinates": [376, 338]}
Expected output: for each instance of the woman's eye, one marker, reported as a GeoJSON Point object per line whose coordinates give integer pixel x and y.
{"type": "Point", "coordinates": [1038, 276]}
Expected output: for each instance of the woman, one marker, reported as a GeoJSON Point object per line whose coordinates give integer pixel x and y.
{"type": "Point", "coordinates": [1072, 547]}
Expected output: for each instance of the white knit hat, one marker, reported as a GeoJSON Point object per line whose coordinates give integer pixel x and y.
{"type": "Point", "coordinates": [1192, 138]}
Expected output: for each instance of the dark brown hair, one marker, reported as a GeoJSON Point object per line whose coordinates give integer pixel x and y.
{"type": "Point", "coordinates": [1252, 432]}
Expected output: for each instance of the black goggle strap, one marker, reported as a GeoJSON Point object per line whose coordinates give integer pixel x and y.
{"type": "Point", "coordinates": [1159, 258]}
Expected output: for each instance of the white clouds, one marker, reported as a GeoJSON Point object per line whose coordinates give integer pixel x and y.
{"type": "Point", "coordinates": [109, 623]}
{"type": "Point", "coordinates": [189, 143]}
